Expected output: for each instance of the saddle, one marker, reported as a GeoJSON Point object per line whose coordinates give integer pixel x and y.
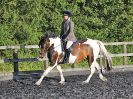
{"type": "Point", "coordinates": [67, 51]}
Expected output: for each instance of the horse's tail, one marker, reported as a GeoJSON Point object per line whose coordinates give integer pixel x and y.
{"type": "Point", "coordinates": [104, 52]}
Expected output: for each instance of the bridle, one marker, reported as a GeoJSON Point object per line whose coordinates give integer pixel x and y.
{"type": "Point", "coordinates": [42, 52]}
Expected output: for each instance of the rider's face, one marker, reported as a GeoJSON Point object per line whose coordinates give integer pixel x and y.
{"type": "Point", "coordinates": [65, 17]}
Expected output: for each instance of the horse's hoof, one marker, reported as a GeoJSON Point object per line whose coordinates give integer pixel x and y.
{"type": "Point", "coordinates": [85, 82]}
{"type": "Point", "coordinates": [37, 83]}
{"type": "Point", "coordinates": [104, 79]}
{"type": "Point", "coordinates": [62, 82]}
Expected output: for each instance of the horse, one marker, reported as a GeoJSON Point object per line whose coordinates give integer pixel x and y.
{"type": "Point", "coordinates": [88, 49]}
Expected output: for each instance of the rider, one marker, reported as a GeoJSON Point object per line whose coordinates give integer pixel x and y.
{"type": "Point", "coordinates": [67, 35]}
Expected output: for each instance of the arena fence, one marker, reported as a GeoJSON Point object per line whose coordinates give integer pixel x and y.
{"type": "Point", "coordinates": [16, 59]}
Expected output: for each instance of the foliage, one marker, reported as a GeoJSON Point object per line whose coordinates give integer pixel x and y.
{"type": "Point", "coordinates": [24, 21]}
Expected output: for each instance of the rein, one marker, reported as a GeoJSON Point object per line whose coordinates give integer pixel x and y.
{"type": "Point", "coordinates": [51, 49]}
{"type": "Point", "coordinates": [56, 46]}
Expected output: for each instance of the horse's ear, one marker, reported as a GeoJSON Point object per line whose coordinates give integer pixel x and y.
{"type": "Point", "coordinates": [39, 38]}
{"type": "Point", "coordinates": [47, 33]}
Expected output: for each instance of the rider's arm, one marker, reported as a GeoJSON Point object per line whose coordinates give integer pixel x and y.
{"type": "Point", "coordinates": [69, 29]}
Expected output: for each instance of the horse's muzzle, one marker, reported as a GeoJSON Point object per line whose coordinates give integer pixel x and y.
{"type": "Point", "coordinates": [41, 55]}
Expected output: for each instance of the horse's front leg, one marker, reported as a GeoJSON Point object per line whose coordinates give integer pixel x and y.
{"type": "Point", "coordinates": [44, 74]}
{"type": "Point", "coordinates": [61, 74]}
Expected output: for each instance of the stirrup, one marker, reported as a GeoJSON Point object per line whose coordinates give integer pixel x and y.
{"type": "Point", "coordinates": [64, 61]}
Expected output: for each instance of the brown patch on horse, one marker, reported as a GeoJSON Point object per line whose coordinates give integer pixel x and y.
{"type": "Point", "coordinates": [54, 57]}
{"type": "Point", "coordinates": [82, 51]}
{"type": "Point", "coordinates": [44, 44]}
{"type": "Point", "coordinates": [50, 52]}
{"type": "Point", "coordinates": [60, 57]}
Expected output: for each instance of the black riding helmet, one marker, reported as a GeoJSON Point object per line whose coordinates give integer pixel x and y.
{"type": "Point", "coordinates": [67, 13]}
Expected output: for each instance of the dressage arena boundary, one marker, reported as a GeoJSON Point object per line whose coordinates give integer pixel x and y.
{"type": "Point", "coordinates": [73, 71]}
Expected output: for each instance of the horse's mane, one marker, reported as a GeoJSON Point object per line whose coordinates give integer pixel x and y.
{"type": "Point", "coordinates": [46, 35]}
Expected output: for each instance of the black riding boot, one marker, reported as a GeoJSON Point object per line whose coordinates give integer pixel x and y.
{"type": "Point", "coordinates": [66, 56]}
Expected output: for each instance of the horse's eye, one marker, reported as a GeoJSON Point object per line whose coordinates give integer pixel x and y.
{"type": "Point", "coordinates": [42, 46]}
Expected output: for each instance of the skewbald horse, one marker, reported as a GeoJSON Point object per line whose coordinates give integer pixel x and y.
{"type": "Point", "coordinates": [86, 48]}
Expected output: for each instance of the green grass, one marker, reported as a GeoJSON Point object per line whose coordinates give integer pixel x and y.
{"type": "Point", "coordinates": [29, 66]}
{"type": "Point", "coordinates": [23, 66]}
{"type": "Point", "coordinates": [7, 67]}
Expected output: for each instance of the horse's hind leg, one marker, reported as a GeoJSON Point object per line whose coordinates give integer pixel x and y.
{"type": "Point", "coordinates": [61, 74]}
{"type": "Point", "coordinates": [99, 69]}
{"type": "Point", "coordinates": [93, 69]}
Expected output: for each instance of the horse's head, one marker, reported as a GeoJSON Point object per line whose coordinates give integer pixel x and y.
{"type": "Point", "coordinates": [45, 44]}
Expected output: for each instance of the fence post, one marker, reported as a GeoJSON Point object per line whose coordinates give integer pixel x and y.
{"type": "Point", "coordinates": [72, 66]}
{"type": "Point", "coordinates": [125, 57]}
{"type": "Point", "coordinates": [15, 56]}
{"type": "Point", "coordinates": [101, 59]}
{"type": "Point", "coordinates": [46, 62]}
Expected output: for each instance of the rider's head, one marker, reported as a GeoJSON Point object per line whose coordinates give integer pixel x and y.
{"type": "Point", "coordinates": [66, 14]}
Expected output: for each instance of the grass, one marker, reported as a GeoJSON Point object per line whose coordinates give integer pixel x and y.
{"type": "Point", "coordinates": [29, 66]}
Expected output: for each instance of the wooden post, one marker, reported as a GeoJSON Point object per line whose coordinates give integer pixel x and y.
{"type": "Point", "coordinates": [101, 59]}
{"type": "Point", "coordinates": [125, 57]}
{"type": "Point", "coordinates": [15, 56]}
{"type": "Point", "coordinates": [0, 54]}
{"type": "Point", "coordinates": [46, 62]}
{"type": "Point", "coordinates": [72, 66]}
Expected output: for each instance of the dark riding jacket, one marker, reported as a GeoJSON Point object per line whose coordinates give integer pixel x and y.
{"type": "Point", "coordinates": [67, 33]}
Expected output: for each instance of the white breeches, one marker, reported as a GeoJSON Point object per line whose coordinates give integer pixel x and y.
{"type": "Point", "coordinates": [69, 43]}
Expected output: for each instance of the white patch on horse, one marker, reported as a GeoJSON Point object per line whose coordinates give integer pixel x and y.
{"type": "Point", "coordinates": [94, 45]}
{"type": "Point", "coordinates": [72, 58]}
{"type": "Point", "coordinates": [57, 44]}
